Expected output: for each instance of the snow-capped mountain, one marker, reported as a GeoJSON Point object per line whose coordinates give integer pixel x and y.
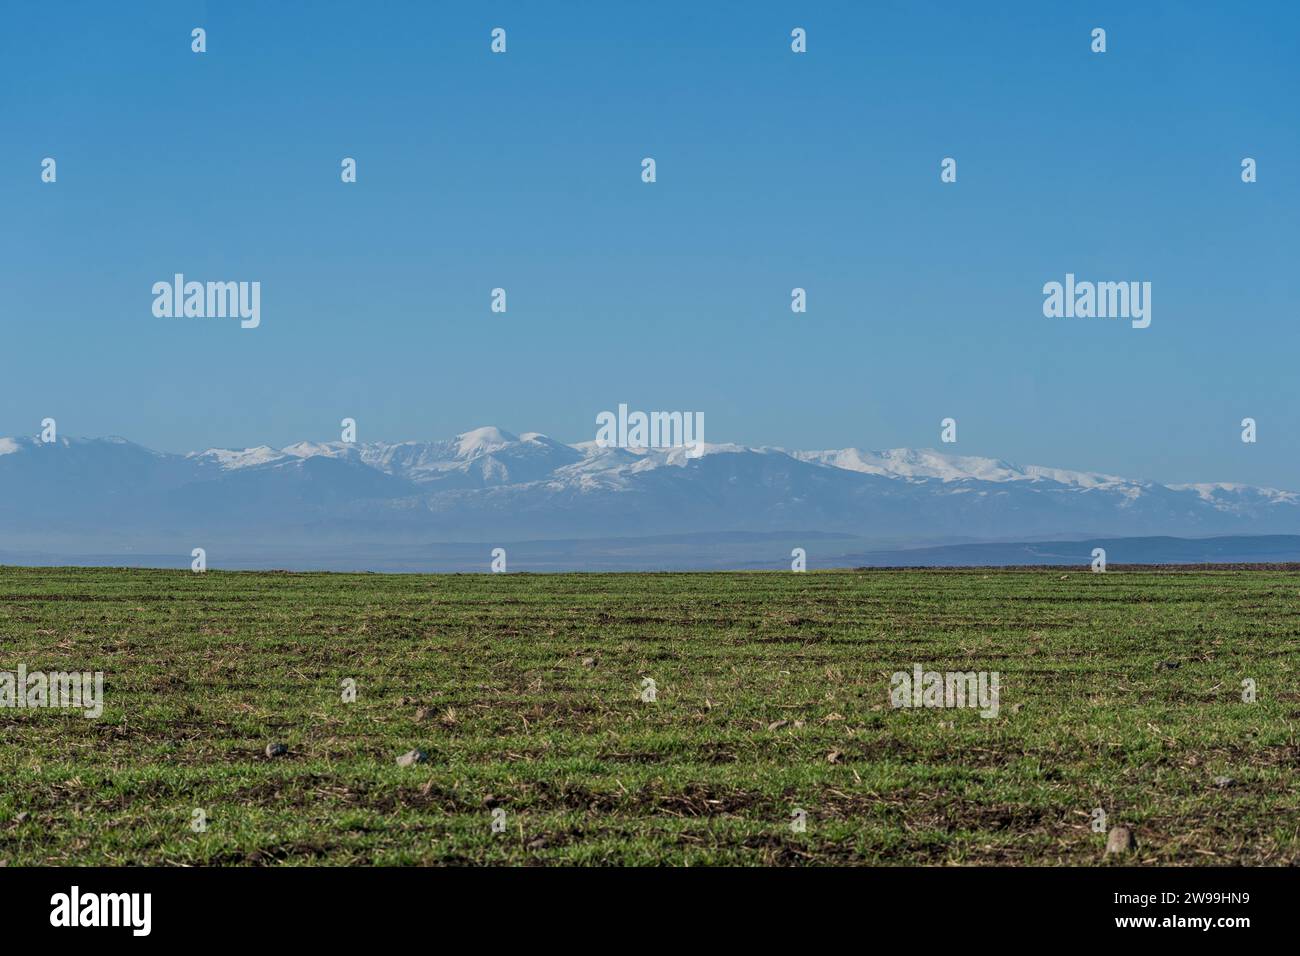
{"type": "Point", "coordinates": [907, 463]}
{"type": "Point", "coordinates": [488, 484]}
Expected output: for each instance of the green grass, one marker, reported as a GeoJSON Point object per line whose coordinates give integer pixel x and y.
{"type": "Point", "coordinates": [760, 676]}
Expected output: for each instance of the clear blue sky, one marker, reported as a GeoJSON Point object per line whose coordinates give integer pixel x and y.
{"type": "Point", "coordinates": [775, 170]}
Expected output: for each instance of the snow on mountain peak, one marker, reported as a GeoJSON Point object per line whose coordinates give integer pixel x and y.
{"type": "Point", "coordinates": [532, 456]}
{"type": "Point", "coordinates": [488, 481]}
{"type": "Point", "coordinates": [1219, 492]}
{"type": "Point", "coordinates": [928, 463]}
{"type": "Point", "coordinates": [312, 449]}
{"type": "Point", "coordinates": [483, 441]}
{"type": "Point", "coordinates": [229, 458]}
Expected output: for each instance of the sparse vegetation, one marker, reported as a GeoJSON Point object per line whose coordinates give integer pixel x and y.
{"type": "Point", "coordinates": [524, 694]}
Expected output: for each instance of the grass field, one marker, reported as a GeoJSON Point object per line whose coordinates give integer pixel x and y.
{"type": "Point", "coordinates": [1121, 691]}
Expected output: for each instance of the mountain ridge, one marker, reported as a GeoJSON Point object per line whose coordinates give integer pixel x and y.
{"type": "Point", "coordinates": [490, 484]}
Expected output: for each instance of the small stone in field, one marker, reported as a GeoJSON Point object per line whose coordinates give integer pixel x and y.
{"type": "Point", "coordinates": [1223, 781]}
{"type": "Point", "coordinates": [589, 662]}
{"type": "Point", "coordinates": [276, 750]}
{"type": "Point", "coordinates": [1120, 840]}
{"type": "Point", "coordinates": [834, 756]}
{"type": "Point", "coordinates": [425, 713]}
{"type": "Point", "coordinates": [412, 757]}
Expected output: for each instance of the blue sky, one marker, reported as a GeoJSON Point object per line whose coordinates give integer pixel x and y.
{"type": "Point", "coordinates": [775, 170]}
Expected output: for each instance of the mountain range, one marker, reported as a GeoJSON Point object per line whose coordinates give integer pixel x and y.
{"type": "Point", "coordinates": [399, 505]}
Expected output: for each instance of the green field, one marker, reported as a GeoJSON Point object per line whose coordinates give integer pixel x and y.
{"type": "Point", "coordinates": [1120, 690]}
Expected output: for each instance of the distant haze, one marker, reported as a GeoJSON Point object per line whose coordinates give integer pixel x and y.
{"type": "Point", "coordinates": [444, 504]}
